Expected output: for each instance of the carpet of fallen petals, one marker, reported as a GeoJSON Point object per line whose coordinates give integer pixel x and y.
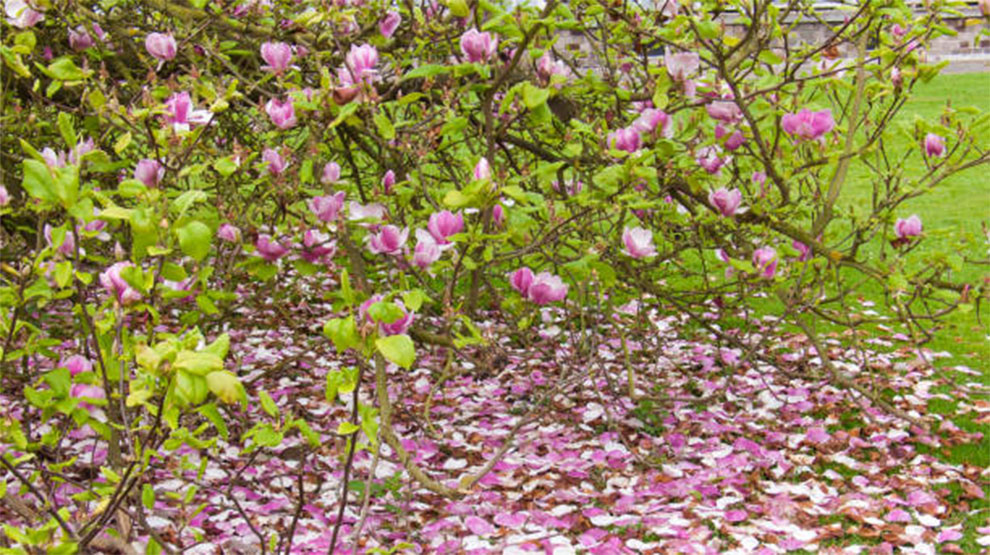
{"type": "Point", "coordinates": [717, 455]}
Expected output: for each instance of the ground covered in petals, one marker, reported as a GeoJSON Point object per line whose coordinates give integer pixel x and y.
{"type": "Point", "coordinates": [716, 454]}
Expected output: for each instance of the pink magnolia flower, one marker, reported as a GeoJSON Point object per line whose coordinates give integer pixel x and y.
{"type": "Point", "coordinates": [388, 240]}
{"type": "Point", "coordinates": [650, 119]}
{"type": "Point", "coordinates": [149, 172]}
{"type": "Point", "coordinates": [911, 227]}
{"type": "Point", "coordinates": [546, 288]}
{"type": "Point", "coordinates": [276, 164]}
{"type": "Point", "coordinates": [20, 14]}
{"type": "Point", "coordinates": [808, 125]}
{"type": "Point", "coordinates": [269, 249]}
{"type": "Point", "coordinates": [726, 201]}
{"type": "Point", "coordinates": [161, 45]}
{"type": "Point", "coordinates": [710, 160]}
{"type": "Point", "coordinates": [318, 246]}
{"type": "Point", "coordinates": [181, 113]}
{"type": "Point", "coordinates": [638, 242]}
{"type": "Point", "coordinates": [443, 224]}
{"type": "Point", "coordinates": [521, 279]}
{"type": "Point", "coordinates": [765, 260]}
{"type": "Point", "coordinates": [626, 139]}
{"type": "Point", "coordinates": [427, 251]}
{"type": "Point", "coordinates": [359, 65]}
{"type": "Point", "coordinates": [388, 181]}
{"type": "Point", "coordinates": [736, 140]}
{"type": "Point", "coordinates": [547, 67]}
{"type": "Point", "coordinates": [282, 114]}
{"type": "Point", "coordinates": [477, 46]}
{"type": "Point", "coordinates": [498, 215]}
{"type": "Point", "coordinates": [682, 65]}
{"type": "Point", "coordinates": [895, 77]}
{"type": "Point", "coordinates": [331, 173]}
{"type": "Point", "coordinates": [80, 39]}
{"type": "Point", "coordinates": [372, 211]}
{"type": "Point", "coordinates": [4, 196]}
{"type": "Point", "coordinates": [278, 56]}
{"type": "Point", "coordinates": [229, 233]}
{"type": "Point", "coordinates": [897, 30]}
{"type": "Point", "coordinates": [934, 145]}
{"type": "Point", "coordinates": [725, 111]}
{"type": "Point", "coordinates": [117, 286]}
{"type": "Point", "coordinates": [805, 250]}
{"type": "Point", "coordinates": [82, 148]}
{"type": "Point", "coordinates": [68, 246]}
{"type": "Point", "coordinates": [397, 327]}
{"type": "Point", "coordinates": [389, 24]}
{"type": "Point", "coordinates": [326, 208]}
{"type": "Point", "coordinates": [77, 364]}
{"type": "Point", "coordinates": [482, 170]}
{"type": "Point", "coordinates": [86, 391]}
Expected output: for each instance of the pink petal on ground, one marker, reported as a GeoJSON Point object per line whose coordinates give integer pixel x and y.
{"type": "Point", "coordinates": [920, 497]}
{"type": "Point", "coordinates": [898, 515]}
{"type": "Point", "coordinates": [817, 434]}
{"type": "Point", "coordinates": [478, 526]}
{"type": "Point", "coordinates": [510, 520]}
{"type": "Point", "coordinates": [948, 535]}
{"type": "Point", "coordinates": [737, 515]}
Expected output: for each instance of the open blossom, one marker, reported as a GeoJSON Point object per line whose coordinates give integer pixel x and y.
{"type": "Point", "coordinates": [638, 242]}
{"type": "Point", "coordinates": [372, 211]}
{"type": "Point", "coordinates": [4, 196]}
{"type": "Point", "coordinates": [650, 119]}
{"type": "Point", "coordinates": [68, 246]}
{"type": "Point", "coordinates": [482, 170]}
{"type": "Point", "coordinates": [388, 240]}
{"type": "Point", "coordinates": [397, 327]}
{"type": "Point", "coordinates": [725, 111]}
{"type": "Point", "coordinates": [20, 14]}
{"type": "Point", "coordinates": [77, 364]}
{"type": "Point", "coordinates": [911, 227]}
{"type": "Point", "coordinates": [388, 181]}
{"type": "Point", "coordinates": [726, 201]}
{"type": "Point", "coordinates": [521, 279]}
{"type": "Point", "coordinates": [80, 39]}
{"type": "Point", "coordinates": [443, 224]}
{"type": "Point", "coordinates": [318, 246]}
{"type": "Point", "coordinates": [626, 139]}
{"type": "Point", "coordinates": [181, 113]}
{"type": "Point", "coordinates": [765, 260]}
{"type": "Point", "coordinates": [934, 145]}
{"type": "Point", "coordinates": [229, 233]}
{"type": "Point", "coordinates": [808, 125]}
{"type": "Point", "coordinates": [547, 67]}
{"type": "Point", "coordinates": [331, 173]}
{"type": "Point", "coordinates": [427, 250]}
{"type": "Point", "coordinates": [326, 208]}
{"type": "Point", "coordinates": [389, 24]}
{"type": "Point", "coordinates": [477, 46]}
{"type": "Point", "coordinates": [117, 286]}
{"type": "Point", "coordinates": [276, 164]}
{"type": "Point", "coordinates": [682, 65]}
{"type": "Point", "coordinates": [269, 249]}
{"type": "Point", "coordinates": [86, 391]}
{"type": "Point", "coordinates": [149, 172]}
{"type": "Point", "coordinates": [282, 114]}
{"type": "Point", "coordinates": [709, 158]}
{"type": "Point", "coordinates": [359, 65]}
{"type": "Point", "coordinates": [805, 250]}
{"type": "Point", "coordinates": [736, 140]}
{"type": "Point", "coordinates": [546, 288]}
{"type": "Point", "coordinates": [160, 45]}
{"type": "Point", "coordinates": [278, 56]}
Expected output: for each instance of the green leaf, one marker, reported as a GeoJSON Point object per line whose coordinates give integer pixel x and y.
{"type": "Point", "coordinates": [343, 333]}
{"type": "Point", "coordinates": [211, 413]}
{"type": "Point", "coordinates": [385, 127]}
{"type": "Point", "coordinates": [116, 213]}
{"type": "Point", "coordinates": [38, 181]}
{"type": "Point", "coordinates": [458, 7]}
{"type": "Point", "coordinates": [122, 143]}
{"type": "Point", "coordinates": [534, 96]}
{"type": "Point", "coordinates": [60, 381]}
{"type": "Point", "coordinates": [64, 69]}
{"type": "Point", "coordinates": [225, 166]}
{"type": "Point", "coordinates": [219, 347]}
{"type": "Point", "coordinates": [347, 428]}
{"type": "Point", "coordinates": [414, 299]}
{"type": "Point", "coordinates": [457, 199]}
{"type": "Point", "coordinates": [148, 496]}
{"type": "Point", "coordinates": [267, 403]}
{"type": "Point", "coordinates": [198, 363]}
{"type": "Point", "coordinates": [428, 70]}
{"type": "Point", "coordinates": [398, 349]}
{"type": "Point", "coordinates": [226, 387]}
{"type": "Point", "coordinates": [385, 312]}
{"type": "Point", "coordinates": [194, 239]}
{"type": "Point", "coordinates": [66, 129]}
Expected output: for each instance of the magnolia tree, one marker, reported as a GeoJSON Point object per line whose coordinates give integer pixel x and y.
{"type": "Point", "coordinates": [435, 163]}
